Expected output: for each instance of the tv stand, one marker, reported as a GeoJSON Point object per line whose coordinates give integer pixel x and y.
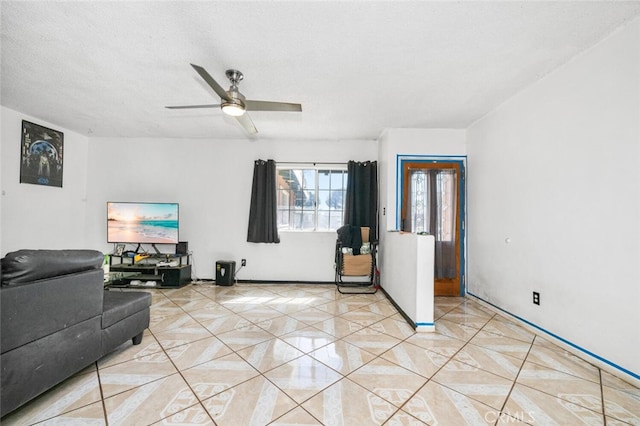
{"type": "Point", "coordinates": [149, 270]}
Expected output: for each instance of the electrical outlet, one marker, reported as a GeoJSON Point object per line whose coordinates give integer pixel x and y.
{"type": "Point", "coordinates": [536, 298]}
{"type": "Point", "coordinates": [243, 262]}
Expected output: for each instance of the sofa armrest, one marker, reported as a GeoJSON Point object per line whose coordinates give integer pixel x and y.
{"type": "Point", "coordinates": [30, 311]}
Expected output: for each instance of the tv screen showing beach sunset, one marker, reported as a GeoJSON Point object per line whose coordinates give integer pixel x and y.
{"type": "Point", "coordinates": [151, 223]}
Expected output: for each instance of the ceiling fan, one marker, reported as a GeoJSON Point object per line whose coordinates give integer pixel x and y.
{"type": "Point", "coordinates": [233, 103]}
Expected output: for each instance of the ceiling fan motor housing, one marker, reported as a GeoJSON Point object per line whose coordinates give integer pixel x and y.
{"type": "Point", "coordinates": [235, 105]}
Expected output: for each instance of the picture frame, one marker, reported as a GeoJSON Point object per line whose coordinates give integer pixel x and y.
{"type": "Point", "coordinates": [41, 155]}
{"type": "Point", "coordinates": [119, 250]}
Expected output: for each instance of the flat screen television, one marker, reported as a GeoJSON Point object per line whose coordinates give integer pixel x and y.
{"type": "Point", "coordinates": [142, 223]}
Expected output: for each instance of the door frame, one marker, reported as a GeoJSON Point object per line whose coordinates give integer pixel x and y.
{"type": "Point", "coordinates": [461, 161]}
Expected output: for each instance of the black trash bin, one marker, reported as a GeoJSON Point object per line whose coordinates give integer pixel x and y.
{"type": "Point", "coordinates": [225, 272]}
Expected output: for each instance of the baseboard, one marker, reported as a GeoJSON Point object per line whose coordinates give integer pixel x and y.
{"type": "Point", "coordinates": [402, 313]}
{"type": "Point", "coordinates": [588, 356]}
{"type": "Point", "coordinates": [282, 282]}
{"type": "Point", "coordinates": [417, 327]}
{"type": "Point", "coordinates": [427, 327]}
{"type": "Point", "coordinates": [213, 282]}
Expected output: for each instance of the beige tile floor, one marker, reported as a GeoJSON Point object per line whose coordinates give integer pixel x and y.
{"type": "Point", "coordinates": [254, 354]}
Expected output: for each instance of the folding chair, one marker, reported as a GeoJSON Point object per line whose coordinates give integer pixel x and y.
{"type": "Point", "coordinates": [355, 261]}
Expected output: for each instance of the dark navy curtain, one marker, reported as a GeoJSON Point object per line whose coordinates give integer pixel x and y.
{"type": "Point", "coordinates": [361, 206]}
{"type": "Point", "coordinates": [263, 219]}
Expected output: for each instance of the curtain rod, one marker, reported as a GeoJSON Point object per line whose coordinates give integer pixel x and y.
{"type": "Point", "coordinates": [309, 162]}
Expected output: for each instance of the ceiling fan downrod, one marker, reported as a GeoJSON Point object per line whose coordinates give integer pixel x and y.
{"type": "Point", "coordinates": [234, 76]}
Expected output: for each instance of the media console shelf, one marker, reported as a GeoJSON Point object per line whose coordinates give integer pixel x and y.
{"type": "Point", "coordinates": [153, 269]}
{"type": "Point", "coordinates": [150, 259]}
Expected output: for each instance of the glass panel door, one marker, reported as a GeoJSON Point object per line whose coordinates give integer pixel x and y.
{"type": "Point", "coordinates": [430, 205]}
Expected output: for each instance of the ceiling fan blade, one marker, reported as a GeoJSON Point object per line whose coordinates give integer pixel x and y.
{"type": "Point", "coordinates": [193, 106]}
{"type": "Point", "coordinates": [245, 121]}
{"type": "Point", "coordinates": [272, 106]}
{"type": "Point", "coordinates": [211, 82]}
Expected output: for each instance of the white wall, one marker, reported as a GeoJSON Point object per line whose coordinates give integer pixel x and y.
{"type": "Point", "coordinates": [556, 169]}
{"type": "Point", "coordinates": [408, 276]}
{"type": "Point", "coordinates": [211, 179]}
{"type": "Point", "coordinates": [398, 267]}
{"type": "Point", "coordinates": [414, 142]}
{"type": "Point", "coordinates": [35, 216]}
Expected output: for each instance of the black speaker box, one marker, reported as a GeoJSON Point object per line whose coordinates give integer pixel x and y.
{"type": "Point", "coordinates": [225, 272]}
{"type": "Point", "coordinates": [175, 276]}
{"type": "Point", "coordinates": [182, 247]}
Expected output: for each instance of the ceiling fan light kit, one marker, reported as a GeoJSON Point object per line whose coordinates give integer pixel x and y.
{"type": "Point", "coordinates": [233, 109]}
{"type": "Point", "coordinates": [233, 103]}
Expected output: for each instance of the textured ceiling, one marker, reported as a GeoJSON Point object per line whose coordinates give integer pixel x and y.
{"type": "Point", "coordinates": [109, 68]}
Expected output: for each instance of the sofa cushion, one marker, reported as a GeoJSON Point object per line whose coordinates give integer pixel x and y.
{"type": "Point", "coordinates": [30, 265]}
{"type": "Point", "coordinates": [124, 331]}
{"type": "Point", "coordinates": [118, 305]}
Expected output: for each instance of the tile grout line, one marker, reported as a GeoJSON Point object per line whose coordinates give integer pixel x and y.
{"type": "Point", "coordinates": [233, 351]}
{"type": "Point", "coordinates": [602, 401]}
{"type": "Point", "coordinates": [376, 356]}
{"type": "Point", "coordinates": [260, 374]}
{"type": "Point", "coordinates": [296, 405]}
{"type": "Point", "coordinates": [183, 378]}
{"type": "Point", "coordinates": [343, 377]}
{"type": "Point", "coordinates": [429, 379]}
{"type": "Point", "coordinates": [179, 371]}
{"type": "Point", "coordinates": [515, 379]}
{"type": "Point", "coordinates": [104, 406]}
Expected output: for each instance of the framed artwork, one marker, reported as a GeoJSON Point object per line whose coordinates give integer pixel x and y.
{"type": "Point", "coordinates": [41, 154]}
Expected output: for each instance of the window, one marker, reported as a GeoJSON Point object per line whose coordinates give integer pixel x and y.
{"type": "Point", "coordinates": [311, 198]}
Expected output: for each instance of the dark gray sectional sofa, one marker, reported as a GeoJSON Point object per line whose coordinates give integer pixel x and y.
{"type": "Point", "coordinates": [56, 318]}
